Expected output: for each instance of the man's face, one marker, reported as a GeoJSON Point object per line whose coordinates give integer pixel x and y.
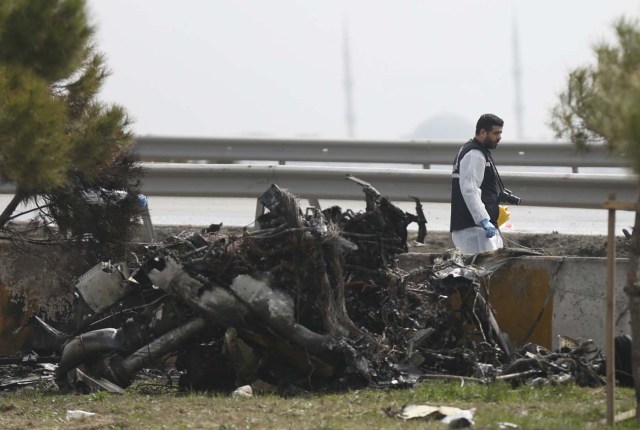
{"type": "Point", "coordinates": [491, 138]}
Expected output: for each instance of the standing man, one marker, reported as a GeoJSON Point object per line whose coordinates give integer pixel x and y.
{"type": "Point", "coordinates": [475, 190]}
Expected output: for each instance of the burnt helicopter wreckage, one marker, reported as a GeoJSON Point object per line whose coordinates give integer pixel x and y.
{"type": "Point", "coordinates": [308, 299]}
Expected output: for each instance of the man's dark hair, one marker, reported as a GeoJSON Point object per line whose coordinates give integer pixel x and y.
{"type": "Point", "coordinates": [487, 121]}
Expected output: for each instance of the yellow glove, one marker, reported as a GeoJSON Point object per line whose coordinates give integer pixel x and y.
{"type": "Point", "coordinates": [503, 215]}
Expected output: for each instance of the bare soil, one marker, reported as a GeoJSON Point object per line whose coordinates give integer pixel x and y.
{"type": "Point", "coordinates": [570, 245]}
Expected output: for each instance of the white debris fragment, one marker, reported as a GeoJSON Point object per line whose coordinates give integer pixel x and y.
{"type": "Point", "coordinates": [78, 414]}
{"type": "Point", "coordinates": [455, 417]}
{"type": "Point", "coordinates": [244, 391]}
{"type": "Point", "coordinates": [461, 419]}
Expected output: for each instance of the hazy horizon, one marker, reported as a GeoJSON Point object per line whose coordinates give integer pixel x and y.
{"type": "Point", "coordinates": [222, 68]}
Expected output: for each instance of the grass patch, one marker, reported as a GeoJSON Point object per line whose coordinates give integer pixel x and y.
{"type": "Point", "coordinates": [561, 407]}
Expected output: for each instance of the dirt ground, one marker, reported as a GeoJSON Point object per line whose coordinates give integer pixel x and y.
{"type": "Point", "coordinates": [570, 245]}
{"type": "Point", "coordinates": [549, 244]}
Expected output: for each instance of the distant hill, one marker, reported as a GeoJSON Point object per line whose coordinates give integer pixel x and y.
{"type": "Point", "coordinates": [444, 126]}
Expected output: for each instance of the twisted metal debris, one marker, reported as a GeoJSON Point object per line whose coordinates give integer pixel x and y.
{"type": "Point", "coordinates": [306, 300]}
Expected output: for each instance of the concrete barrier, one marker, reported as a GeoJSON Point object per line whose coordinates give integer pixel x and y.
{"type": "Point", "coordinates": [538, 298]}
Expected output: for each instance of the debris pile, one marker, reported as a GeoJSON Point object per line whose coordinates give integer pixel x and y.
{"type": "Point", "coordinates": [307, 300]}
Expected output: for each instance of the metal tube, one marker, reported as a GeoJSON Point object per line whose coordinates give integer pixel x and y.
{"type": "Point", "coordinates": [78, 349]}
{"type": "Point", "coordinates": [160, 346]}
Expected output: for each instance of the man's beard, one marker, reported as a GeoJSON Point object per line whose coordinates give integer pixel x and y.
{"type": "Point", "coordinates": [489, 143]}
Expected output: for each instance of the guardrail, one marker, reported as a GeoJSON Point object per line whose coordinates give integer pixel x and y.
{"type": "Point", "coordinates": [570, 190]}
{"type": "Point", "coordinates": [564, 190]}
{"type": "Point", "coordinates": [420, 152]}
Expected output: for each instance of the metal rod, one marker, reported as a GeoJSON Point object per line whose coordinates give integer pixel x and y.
{"type": "Point", "coordinates": [609, 315]}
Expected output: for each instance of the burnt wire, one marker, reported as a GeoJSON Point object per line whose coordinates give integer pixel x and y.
{"type": "Point", "coordinates": [509, 243]}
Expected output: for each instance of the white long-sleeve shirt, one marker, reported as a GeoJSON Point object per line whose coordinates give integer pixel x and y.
{"type": "Point", "coordinates": [472, 168]}
{"type": "Point", "coordinates": [473, 240]}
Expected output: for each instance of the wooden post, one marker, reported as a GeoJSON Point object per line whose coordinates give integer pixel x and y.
{"type": "Point", "coordinates": [610, 326]}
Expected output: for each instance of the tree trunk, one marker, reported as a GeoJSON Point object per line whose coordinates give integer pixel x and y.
{"type": "Point", "coordinates": [5, 216]}
{"type": "Point", "coordinates": [632, 290]}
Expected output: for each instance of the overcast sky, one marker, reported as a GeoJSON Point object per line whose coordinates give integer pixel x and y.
{"type": "Point", "coordinates": [275, 67]}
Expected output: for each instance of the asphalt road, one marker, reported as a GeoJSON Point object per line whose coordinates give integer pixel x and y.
{"type": "Point", "coordinates": [525, 219]}
{"type": "Point", "coordinates": [241, 212]}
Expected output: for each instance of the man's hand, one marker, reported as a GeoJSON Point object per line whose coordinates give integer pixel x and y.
{"type": "Point", "coordinates": [489, 229]}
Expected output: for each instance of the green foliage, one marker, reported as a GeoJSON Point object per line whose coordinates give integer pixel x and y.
{"type": "Point", "coordinates": [58, 142]}
{"type": "Point", "coordinates": [601, 101]}
{"type": "Point", "coordinates": [98, 396]}
{"type": "Point", "coordinates": [101, 205]}
{"type": "Point", "coordinates": [33, 144]}
{"type": "Point", "coordinates": [49, 37]}
{"type": "Point", "coordinates": [81, 90]}
{"type": "Point", "coordinates": [100, 125]}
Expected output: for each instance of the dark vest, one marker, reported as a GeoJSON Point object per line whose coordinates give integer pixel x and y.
{"type": "Point", "coordinates": [460, 216]}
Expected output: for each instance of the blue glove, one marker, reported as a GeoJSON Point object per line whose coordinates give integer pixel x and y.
{"type": "Point", "coordinates": [142, 201]}
{"type": "Point", "coordinates": [489, 229]}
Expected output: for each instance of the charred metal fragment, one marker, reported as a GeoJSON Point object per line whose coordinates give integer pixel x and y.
{"type": "Point", "coordinates": [16, 376]}
{"type": "Point", "coordinates": [122, 371]}
{"type": "Point", "coordinates": [276, 309]}
{"type": "Point", "coordinates": [372, 196]}
{"type": "Point", "coordinates": [306, 300]}
{"type": "Point", "coordinates": [103, 285]}
{"type": "Point", "coordinates": [87, 347]}
{"type": "Point", "coordinates": [43, 337]}
{"type": "Point", "coordinates": [420, 219]}
{"type": "Point", "coordinates": [624, 369]}
{"type": "Point", "coordinates": [78, 378]}
{"type": "Point", "coordinates": [283, 208]}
